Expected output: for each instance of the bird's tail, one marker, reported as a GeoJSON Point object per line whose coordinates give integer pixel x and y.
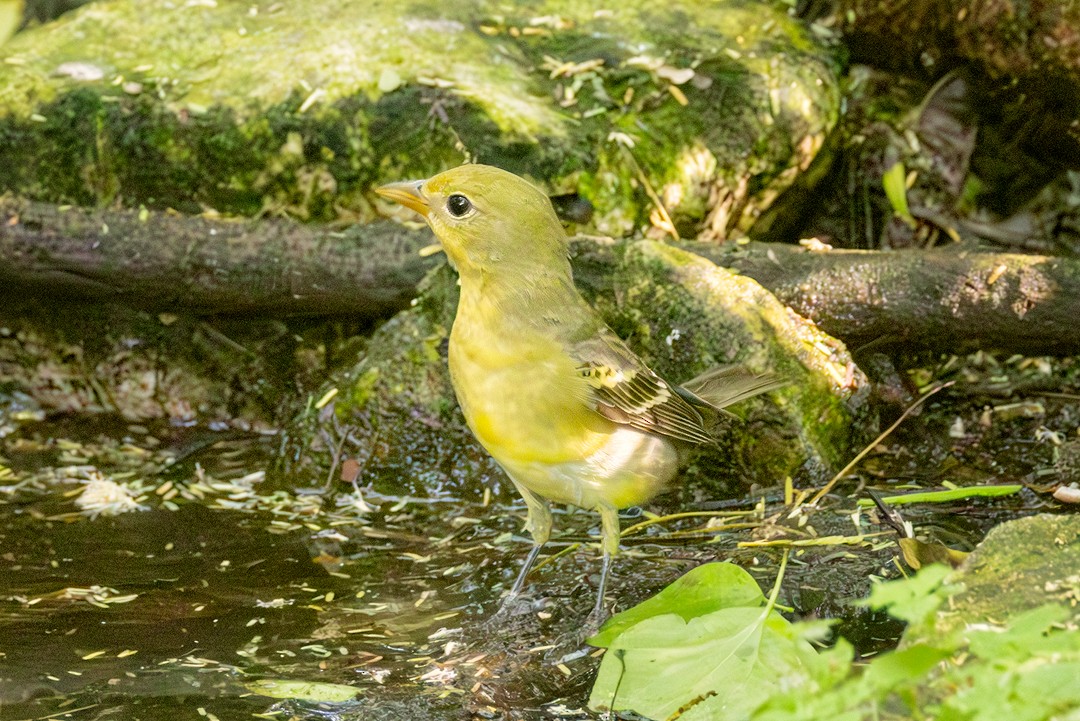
{"type": "Point", "coordinates": [725, 385]}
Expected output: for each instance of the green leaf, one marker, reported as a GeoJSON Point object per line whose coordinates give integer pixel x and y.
{"type": "Point", "coordinates": [1043, 689]}
{"type": "Point", "coordinates": [953, 494]}
{"type": "Point", "coordinates": [389, 80]}
{"type": "Point", "coordinates": [912, 599]}
{"type": "Point", "coordinates": [909, 665]}
{"type": "Point", "coordinates": [720, 665]}
{"type": "Point", "coordinates": [1054, 684]}
{"type": "Point", "coordinates": [830, 695]}
{"type": "Point", "coordinates": [1028, 633]}
{"type": "Point", "coordinates": [303, 690]}
{"type": "Point", "coordinates": [702, 590]}
{"type": "Point", "coordinates": [919, 553]}
{"type": "Point", "coordinates": [895, 183]}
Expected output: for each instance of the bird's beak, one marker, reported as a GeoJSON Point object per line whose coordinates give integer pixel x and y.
{"type": "Point", "coordinates": [408, 194]}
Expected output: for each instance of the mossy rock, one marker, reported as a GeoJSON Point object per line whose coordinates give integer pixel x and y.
{"type": "Point", "coordinates": [688, 315]}
{"type": "Point", "coordinates": [299, 108]}
{"type": "Point", "coordinates": [1020, 565]}
{"type": "Point", "coordinates": [682, 313]}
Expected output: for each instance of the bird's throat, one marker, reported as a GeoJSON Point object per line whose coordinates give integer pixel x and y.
{"type": "Point", "coordinates": [518, 299]}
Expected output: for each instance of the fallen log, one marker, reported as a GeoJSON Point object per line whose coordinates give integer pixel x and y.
{"type": "Point", "coordinates": [941, 300]}
{"type": "Point", "coordinates": [159, 261]}
{"type": "Point", "coordinates": [945, 301]}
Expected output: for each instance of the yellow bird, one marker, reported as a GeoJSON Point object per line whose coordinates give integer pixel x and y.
{"type": "Point", "coordinates": [565, 407]}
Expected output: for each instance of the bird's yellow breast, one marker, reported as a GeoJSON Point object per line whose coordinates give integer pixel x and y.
{"type": "Point", "coordinates": [522, 396]}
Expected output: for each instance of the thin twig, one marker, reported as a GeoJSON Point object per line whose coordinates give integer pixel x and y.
{"type": "Point", "coordinates": [685, 514]}
{"type": "Point", "coordinates": [555, 556]}
{"type": "Point", "coordinates": [810, 542]}
{"type": "Point", "coordinates": [1063, 396]}
{"type": "Point", "coordinates": [660, 208]}
{"type": "Point", "coordinates": [885, 434]}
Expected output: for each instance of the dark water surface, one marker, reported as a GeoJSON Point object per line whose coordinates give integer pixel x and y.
{"type": "Point", "coordinates": [222, 579]}
{"type": "Point", "coordinates": [210, 586]}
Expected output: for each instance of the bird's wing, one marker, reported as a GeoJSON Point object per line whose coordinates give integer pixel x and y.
{"type": "Point", "coordinates": [626, 391]}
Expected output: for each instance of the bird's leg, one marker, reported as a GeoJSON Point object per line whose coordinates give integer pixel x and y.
{"type": "Point", "coordinates": [598, 615]}
{"type": "Point", "coordinates": [610, 532]}
{"type": "Point", "coordinates": [519, 582]}
{"type": "Point", "coordinates": [538, 524]}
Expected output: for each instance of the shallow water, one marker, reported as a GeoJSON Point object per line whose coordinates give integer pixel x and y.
{"type": "Point", "coordinates": [226, 577]}
{"type": "Point", "coordinates": [219, 580]}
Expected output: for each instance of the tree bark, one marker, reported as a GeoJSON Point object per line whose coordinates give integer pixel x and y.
{"type": "Point", "coordinates": [160, 261]}
{"type": "Point", "coordinates": [941, 300]}
{"type": "Point", "coordinates": [944, 300]}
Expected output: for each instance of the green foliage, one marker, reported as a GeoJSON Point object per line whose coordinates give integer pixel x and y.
{"type": "Point", "coordinates": [895, 183]}
{"type": "Point", "coordinates": [303, 690]}
{"type": "Point", "coordinates": [912, 599]}
{"type": "Point", "coordinates": [1027, 673]}
{"type": "Point", "coordinates": [718, 656]}
{"type": "Point", "coordinates": [952, 494]}
{"type": "Point", "coordinates": [726, 655]}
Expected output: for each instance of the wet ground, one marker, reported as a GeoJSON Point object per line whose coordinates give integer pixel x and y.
{"type": "Point", "coordinates": [221, 581]}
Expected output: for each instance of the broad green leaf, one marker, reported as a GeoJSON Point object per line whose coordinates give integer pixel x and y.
{"type": "Point", "coordinates": [704, 589]}
{"type": "Point", "coordinates": [895, 183]}
{"type": "Point", "coordinates": [720, 665]}
{"type": "Point", "coordinates": [303, 690]}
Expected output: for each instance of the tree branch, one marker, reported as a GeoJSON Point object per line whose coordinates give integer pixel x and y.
{"type": "Point", "coordinates": [940, 300]}
{"type": "Point", "coordinates": [162, 260]}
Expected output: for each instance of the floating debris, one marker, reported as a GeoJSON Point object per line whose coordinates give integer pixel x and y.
{"type": "Point", "coordinates": [104, 497]}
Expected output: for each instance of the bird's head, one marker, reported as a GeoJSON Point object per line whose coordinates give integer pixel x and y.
{"type": "Point", "coordinates": [485, 218]}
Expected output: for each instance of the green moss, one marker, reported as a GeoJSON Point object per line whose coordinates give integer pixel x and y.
{"type": "Point", "coordinates": [760, 82]}
{"type": "Point", "coordinates": [298, 110]}
{"type": "Point", "coordinates": [1036, 559]}
{"type": "Point", "coordinates": [363, 386]}
{"type": "Point", "coordinates": [700, 316]}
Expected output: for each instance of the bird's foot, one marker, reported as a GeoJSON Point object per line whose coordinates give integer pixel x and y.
{"type": "Point", "coordinates": [511, 611]}
{"type": "Point", "coordinates": [594, 621]}
{"type": "Point", "coordinates": [574, 642]}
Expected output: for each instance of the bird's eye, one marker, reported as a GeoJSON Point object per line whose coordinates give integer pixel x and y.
{"type": "Point", "coordinates": [458, 205]}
